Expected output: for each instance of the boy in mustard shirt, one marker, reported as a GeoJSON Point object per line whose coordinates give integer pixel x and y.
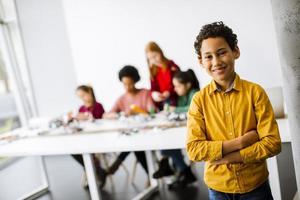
{"type": "Point", "coordinates": [231, 123]}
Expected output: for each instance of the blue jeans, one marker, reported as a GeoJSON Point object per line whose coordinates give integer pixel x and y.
{"type": "Point", "coordinates": [263, 192]}
{"type": "Point", "coordinates": [177, 158]}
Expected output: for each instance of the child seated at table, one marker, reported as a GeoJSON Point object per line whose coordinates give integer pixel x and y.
{"type": "Point", "coordinates": [185, 85]}
{"type": "Point", "coordinates": [91, 109]}
{"type": "Point", "coordinates": [133, 101]}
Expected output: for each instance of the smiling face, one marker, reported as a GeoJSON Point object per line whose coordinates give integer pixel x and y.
{"type": "Point", "coordinates": [218, 59]}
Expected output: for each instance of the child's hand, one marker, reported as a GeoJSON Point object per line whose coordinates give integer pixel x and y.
{"type": "Point", "coordinates": [82, 116]}
{"type": "Point", "coordinates": [166, 94]}
{"type": "Point", "coordinates": [249, 138]}
{"type": "Point", "coordinates": [111, 115]}
{"type": "Point", "coordinates": [172, 108]}
{"type": "Point", "coordinates": [90, 117]}
{"type": "Point", "coordinates": [234, 157]}
{"type": "Point", "coordinates": [70, 116]}
{"type": "Point", "coordinates": [157, 96]}
{"type": "Point", "coordinates": [239, 143]}
{"type": "Point", "coordinates": [222, 161]}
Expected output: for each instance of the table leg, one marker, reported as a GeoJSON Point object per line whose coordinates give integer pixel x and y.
{"type": "Point", "coordinates": [91, 177]}
{"type": "Point", "coordinates": [42, 189]}
{"type": "Point", "coordinates": [153, 182]}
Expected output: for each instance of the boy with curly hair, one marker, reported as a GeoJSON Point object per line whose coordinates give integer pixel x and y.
{"type": "Point", "coordinates": [231, 123]}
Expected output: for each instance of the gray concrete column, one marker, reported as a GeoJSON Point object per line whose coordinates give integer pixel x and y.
{"type": "Point", "coordinates": [286, 15]}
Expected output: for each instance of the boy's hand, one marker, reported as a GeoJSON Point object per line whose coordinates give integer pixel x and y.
{"type": "Point", "coordinates": [234, 157]}
{"type": "Point", "coordinates": [239, 143]}
{"type": "Point", "coordinates": [249, 138]}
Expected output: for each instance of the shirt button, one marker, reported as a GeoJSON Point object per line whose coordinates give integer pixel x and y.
{"type": "Point", "coordinates": [237, 174]}
{"type": "Point", "coordinates": [230, 133]}
{"type": "Point", "coordinates": [227, 112]}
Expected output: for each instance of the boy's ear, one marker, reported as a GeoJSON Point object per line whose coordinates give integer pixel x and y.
{"type": "Point", "coordinates": [236, 52]}
{"type": "Point", "coordinates": [200, 61]}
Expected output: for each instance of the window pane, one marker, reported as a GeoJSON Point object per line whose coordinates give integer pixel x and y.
{"type": "Point", "coordinates": [8, 111]}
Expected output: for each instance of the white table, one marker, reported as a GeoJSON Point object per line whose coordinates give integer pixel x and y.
{"type": "Point", "coordinates": [87, 144]}
{"type": "Point", "coordinates": [99, 138]}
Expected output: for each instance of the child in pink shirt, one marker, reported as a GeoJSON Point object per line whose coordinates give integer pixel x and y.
{"type": "Point", "coordinates": [140, 98]}
{"type": "Point", "coordinates": [133, 101]}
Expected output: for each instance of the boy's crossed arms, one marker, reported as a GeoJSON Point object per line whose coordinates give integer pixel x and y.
{"type": "Point", "coordinates": [230, 148]}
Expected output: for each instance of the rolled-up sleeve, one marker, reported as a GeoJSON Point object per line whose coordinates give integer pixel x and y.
{"type": "Point", "coordinates": [197, 146]}
{"type": "Point", "coordinates": [270, 143]}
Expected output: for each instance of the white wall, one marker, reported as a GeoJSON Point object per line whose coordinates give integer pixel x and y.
{"type": "Point", "coordinates": [48, 55]}
{"type": "Point", "coordinates": [106, 34]}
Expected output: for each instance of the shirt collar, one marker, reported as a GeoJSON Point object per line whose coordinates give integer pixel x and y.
{"type": "Point", "coordinates": [236, 85]}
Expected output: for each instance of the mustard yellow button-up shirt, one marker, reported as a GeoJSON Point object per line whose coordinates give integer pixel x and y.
{"type": "Point", "coordinates": [215, 116]}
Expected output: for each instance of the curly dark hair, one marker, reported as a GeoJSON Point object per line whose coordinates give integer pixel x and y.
{"type": "Point", "coordinates": [213, 30]}
{"type": "Point", "coordinates": [130, 72]}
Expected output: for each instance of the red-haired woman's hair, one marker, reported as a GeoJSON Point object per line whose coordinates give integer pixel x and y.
{"type": "Point", "coordinates": [153, 47]}
{"type": "Point", "coordinates": [89, 90]}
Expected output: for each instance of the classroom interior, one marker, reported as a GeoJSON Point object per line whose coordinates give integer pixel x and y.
{"type": "Point", "coordinates": [48, 48]}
